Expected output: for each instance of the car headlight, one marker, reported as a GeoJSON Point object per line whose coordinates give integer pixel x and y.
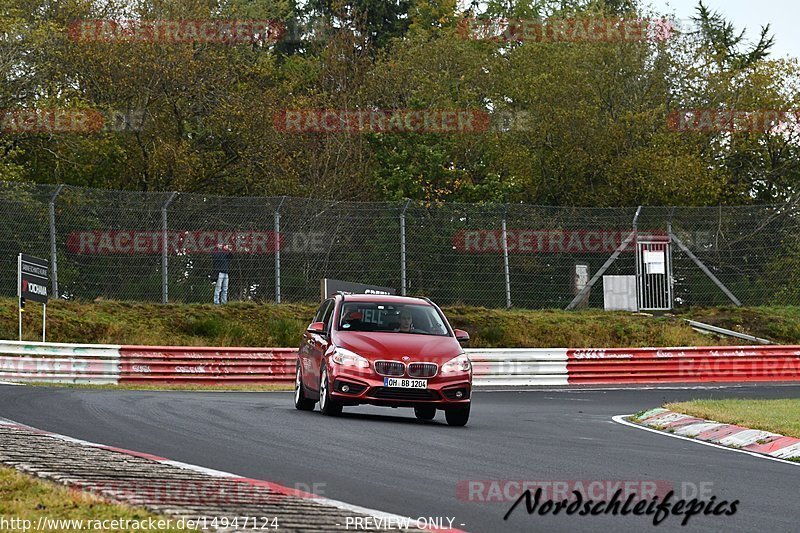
{"type": "Point", "coordinates": [459, 363]}
{"type": "Point", "coordinates": [347, 358]}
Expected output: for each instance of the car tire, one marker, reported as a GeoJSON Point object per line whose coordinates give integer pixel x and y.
{"type": "Point", "coordinates": [458, 416]}
{"type": "Point", "coordinates": [327, 405]}
{"type": "Point", "coordinates": [300, 401]}
{"type": "Point", "coordinates": [425, 412]}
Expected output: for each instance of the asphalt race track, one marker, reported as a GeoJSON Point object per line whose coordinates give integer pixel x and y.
{"type": "Point", "coordinates": [385, 459]}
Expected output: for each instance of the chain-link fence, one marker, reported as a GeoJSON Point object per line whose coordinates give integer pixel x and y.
{"type": "Point", "coordinates": [110, 244]}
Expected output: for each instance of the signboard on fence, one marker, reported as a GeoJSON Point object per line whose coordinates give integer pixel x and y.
{"type": "Point", "coordinates": [33, 279]}
{"type": "Point", "coordinates": [329, 287]}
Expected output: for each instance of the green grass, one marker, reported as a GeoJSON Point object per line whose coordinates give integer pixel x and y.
{"type": "Point", "coordinates": [27, 498]}
{"type": "Point", "coordinates": [251, 324]}
{"type": "Point", "coordinates": [778, 324]}
{"type": "Point", "coordinates": [777, 416]}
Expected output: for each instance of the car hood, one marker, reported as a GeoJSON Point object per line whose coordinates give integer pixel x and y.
{"type": "Point", "coordinates": [395, 345]}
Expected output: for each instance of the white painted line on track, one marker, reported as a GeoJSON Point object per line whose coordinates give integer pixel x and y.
{"type": "Point", "coordinates": [621, 419]}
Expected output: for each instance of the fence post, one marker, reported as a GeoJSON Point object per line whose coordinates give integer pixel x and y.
{"type": "Point", "coordinates": [671, 277]}
{"type": "Point", "coordinates": [278, 251]}
{"type": "Point", "coordinates": [53, 252]}
{"type": "Point", "coordinates": [403, 249]}
{"type": "Point", "coordinates": [505, 258]}
{"type": "Point", "coordinates": [164, 251]}
{"type": "Point", "coordinates": [637, 259]}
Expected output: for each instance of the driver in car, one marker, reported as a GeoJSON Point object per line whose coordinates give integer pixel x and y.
{"type": "Point", "coordinates": [406, 322]}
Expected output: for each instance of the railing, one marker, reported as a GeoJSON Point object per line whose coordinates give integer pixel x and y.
{"type": "Point", "coordinates": [77, 363]}
{"type": "Point", "coordinates": [186, 365]}
{"type": "Point", "coordinates": [684, 365]}
{"type": "Point", "coordinates": [498, 367]}
{"type": "Point", "coordinates": [59, 363]}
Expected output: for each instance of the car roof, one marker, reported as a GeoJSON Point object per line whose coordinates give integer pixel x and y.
{"type": "Point", "coordinates": [384, 298]}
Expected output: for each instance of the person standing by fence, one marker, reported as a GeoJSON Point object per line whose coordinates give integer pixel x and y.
{"type": "Point", "coordinates": [221, 261]}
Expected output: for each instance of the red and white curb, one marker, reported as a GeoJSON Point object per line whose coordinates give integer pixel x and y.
{"type": "Point", "coordinates": [380, 516]}
{"type": "Point", "coordinates": [754, 442]}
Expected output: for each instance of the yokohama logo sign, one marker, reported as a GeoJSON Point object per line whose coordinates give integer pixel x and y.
{"type": "Point", "coordinates": [540, 241]}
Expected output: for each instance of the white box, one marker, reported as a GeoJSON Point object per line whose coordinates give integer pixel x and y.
{"type": "Point", "coordinates": [619, 293]}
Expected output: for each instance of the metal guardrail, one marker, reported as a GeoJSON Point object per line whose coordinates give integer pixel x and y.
{"type": "Point", "coordinates": [708, 328]}
{"type": "Point", "coordinates": [684, 365]}
{"type": "Point", "coordinates": [76, 363]}
{"type": "Point", "coordinates": [518, 367]}
{"type": "Point", "coordinates": [188, 365]}
{"type": "Point", "coordinates": [59, 363]}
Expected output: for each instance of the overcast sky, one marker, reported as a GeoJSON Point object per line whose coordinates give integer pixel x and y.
{"type": "Point", "coordinates": [781, 15]}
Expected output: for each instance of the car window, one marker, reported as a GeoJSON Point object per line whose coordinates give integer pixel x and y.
{"type": "Point", "coordinates": [327, 314]}
{"type": "Point", "coordinates": [392, 318]}
{"type": "Point", "coordinates": [320, 312]}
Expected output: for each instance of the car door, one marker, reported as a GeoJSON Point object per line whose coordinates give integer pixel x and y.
{"type": "Point", "coordinates": [307, 347]}
{"type": "Point", "coordinates": [321, 343]}
{"type": "Point", "coordinates": [317, 345]}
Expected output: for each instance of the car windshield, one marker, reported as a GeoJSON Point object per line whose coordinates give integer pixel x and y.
{"type": "Point", "coordinates": [392, 318]}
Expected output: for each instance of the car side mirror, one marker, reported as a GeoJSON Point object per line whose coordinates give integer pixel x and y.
{"type": "Point", "coordinates": [461, 335]}
{"type": "Point", "coordinates": [316, 327]}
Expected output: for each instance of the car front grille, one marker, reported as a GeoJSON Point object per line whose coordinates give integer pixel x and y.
{"type": "Point", "coordinates": [422, 370]}
{"type": "Point", "coordinates": [390, 368]}
{"type": "Point", "coordinates": [392, 393]}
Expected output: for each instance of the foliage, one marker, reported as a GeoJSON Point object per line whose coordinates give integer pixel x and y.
{"type": "Point", "coordinates": [592, 124]}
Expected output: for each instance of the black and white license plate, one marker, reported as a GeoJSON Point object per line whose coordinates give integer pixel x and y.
{"type": "Point", "coordinates": [405, 383]}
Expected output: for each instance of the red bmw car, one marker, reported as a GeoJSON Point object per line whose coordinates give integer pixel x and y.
{"type": "Point", "coordinates": [384, 350]}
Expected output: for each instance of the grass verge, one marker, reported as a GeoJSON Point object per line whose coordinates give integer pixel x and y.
{"type": "Point", "coordinates": [780, 324]}
{"type": "Point", "coordinates": [777, 416]}
{"type": "Point", "coordinates": [26, 498]}
{"type": "Point", "coordinates": [265, 324]}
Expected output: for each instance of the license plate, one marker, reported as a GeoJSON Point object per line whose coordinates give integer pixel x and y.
{"type": "Point", "coordinates": [405, 383]}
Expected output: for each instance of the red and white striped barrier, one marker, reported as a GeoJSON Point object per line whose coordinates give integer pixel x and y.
{"type": "Point", "coordinates": [187, 365]}
{"type": "Point", "coordinates": [113, 364]}
{"type": "Point", "coordinates": [497, 367]}
{"type": "Point", "coordinates": [76, 363]}
{"type": "Point", "coordinates": [59, 363]}
{"type": "Point", "coordinates": [684, 365]}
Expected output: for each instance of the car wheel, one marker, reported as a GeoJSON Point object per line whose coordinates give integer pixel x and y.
{"type": "Point", "coordinates": [327, 405]}
{"type": "Point", "coordinates": [458, 416]}
{"type": "Point", "coordinates": [425, 412]}
{"type": "Point", "coordinates": [300, 401]}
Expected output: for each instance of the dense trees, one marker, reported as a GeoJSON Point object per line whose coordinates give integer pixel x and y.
{"type": "Point", "coordinates": [590, 119]}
